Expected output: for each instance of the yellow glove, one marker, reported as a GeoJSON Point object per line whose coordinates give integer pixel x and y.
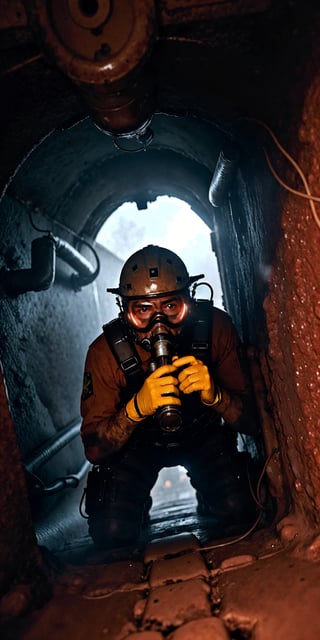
{"type": "Point", "coordinates": [154, 393]}
{"type": "Point", "coordinates": [195, 376]}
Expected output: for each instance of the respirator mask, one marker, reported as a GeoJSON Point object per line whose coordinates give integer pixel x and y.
{"type": "Point", "coordinates": [157, 323]}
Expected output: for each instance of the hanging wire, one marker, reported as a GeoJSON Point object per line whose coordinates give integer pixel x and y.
{"type": "Point", "coordinates": [21, 65]}
{"type": "Point", "coordinates": [308, 195]}
{"type": "Point", "coordinates": [257, 499]}
{"type": "Point", "coordinates": [35, 227]}
{"type": "Point", "coordinates": [82, 504]}
{"type": "Point", "coordinates": [142, 139]}
{"type": "Point", "coordinates": [227, 543]}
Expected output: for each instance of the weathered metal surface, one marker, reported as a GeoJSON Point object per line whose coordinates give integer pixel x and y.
{"type": "Point", "coordinates": [103, 51]}
{"type": "Point", "coordinates": [101, 48]}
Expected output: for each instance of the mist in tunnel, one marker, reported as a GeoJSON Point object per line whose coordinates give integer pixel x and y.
{"type": "Point", "coordinates": [169, 222]}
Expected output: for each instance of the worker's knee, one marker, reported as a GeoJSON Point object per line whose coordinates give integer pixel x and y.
{"type": "Point", "coordinates": [112, 531]}
{"type": "Point", "coordinates": [224, 491]}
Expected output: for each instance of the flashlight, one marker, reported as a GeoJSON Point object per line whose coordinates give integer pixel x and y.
{"type": "Point", "coordinates": [162, 349]}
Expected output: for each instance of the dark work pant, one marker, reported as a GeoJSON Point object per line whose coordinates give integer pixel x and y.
{"type": "Point", "coordinates": [216, 470]}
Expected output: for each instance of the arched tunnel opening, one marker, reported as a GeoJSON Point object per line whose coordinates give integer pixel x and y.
{"type": "Point", "coordinates": [231, 130]}
{"type": "Point", "coordinates": [77, 216]}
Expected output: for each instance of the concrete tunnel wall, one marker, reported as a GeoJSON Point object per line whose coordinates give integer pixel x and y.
{"type": "Point", "coordinates": [45, 334]}
{"type": "Point", "coordinates": [279, 335]}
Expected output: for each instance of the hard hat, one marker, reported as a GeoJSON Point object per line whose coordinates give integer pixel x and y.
{"type": "Point", "coordinates": [153, 272]}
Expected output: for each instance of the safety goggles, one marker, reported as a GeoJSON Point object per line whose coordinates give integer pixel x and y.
{"type": "Point", "coordinates": [141, 313]}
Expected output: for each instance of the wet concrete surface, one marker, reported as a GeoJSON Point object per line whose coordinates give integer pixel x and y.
{"type": "Point", "coordinates": [178, 583]}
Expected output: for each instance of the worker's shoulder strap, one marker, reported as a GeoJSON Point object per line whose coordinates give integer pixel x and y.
{"type": "Point", "coordinates": [197, 340]}
{"type": "Point", "coordinates": [199, 332]}
{"type": "Point", "coordinates": [124, 351]}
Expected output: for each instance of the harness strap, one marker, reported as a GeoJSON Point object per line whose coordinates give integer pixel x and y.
{"type": "Point", "coordinates": [197, 332]}
{"type": "Point", "coordinates": [124, 352]}
{"type": "Point", "coordinates": [197, 340]}
{"type": "Point", "coordinates": [202, 315]}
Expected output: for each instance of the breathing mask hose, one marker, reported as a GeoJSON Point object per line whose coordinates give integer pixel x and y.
{"type": "Point", "coordinates": [162, 349]}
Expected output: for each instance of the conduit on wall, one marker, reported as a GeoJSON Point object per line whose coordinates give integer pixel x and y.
{"type": "Point", "coordinates": [223, 175]}
{"type": "Point", "coordinates": [44, 454]}
{"type": "Point", "coordinates": [86, 273]}
{"type": "Point", "coordinates": [42, 273]}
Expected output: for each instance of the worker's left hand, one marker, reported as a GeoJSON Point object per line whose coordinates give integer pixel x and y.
{"type": "Point", "coordinates": [195, 376]}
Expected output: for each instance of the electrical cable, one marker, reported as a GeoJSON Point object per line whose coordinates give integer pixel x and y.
{"type": "Point", "coordinates": [143, 140]}
{"type": "Point", "coordinates": [286, 186]}
{"type": "Point", "coordinates": [244, 535]}
{"type": "Point", "coordinates": [21, 65]}
{"type": "Point", "coordinates": [227, 543]}
{"type": "Point", "coordinates": [83, 515]}
{"type": "Point", "coordinates": [308, 195]}
{"type": "Point", "coordinates": [34, 226]}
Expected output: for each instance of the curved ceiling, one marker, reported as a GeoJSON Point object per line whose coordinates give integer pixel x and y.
{"type": "Point", "coordinates": [79, 177]}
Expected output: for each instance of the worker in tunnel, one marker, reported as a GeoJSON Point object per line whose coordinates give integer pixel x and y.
{"type": "Point", "coordinates": [165, 385]}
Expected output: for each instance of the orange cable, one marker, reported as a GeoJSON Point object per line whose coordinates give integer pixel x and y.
{"type": "Point", "coordinates": [21, 65]}
{"type": "Point", "coordinates": [297, 167]}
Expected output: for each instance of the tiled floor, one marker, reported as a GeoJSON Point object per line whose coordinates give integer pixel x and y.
{"type": "Point", "coordinates": [179, 585]}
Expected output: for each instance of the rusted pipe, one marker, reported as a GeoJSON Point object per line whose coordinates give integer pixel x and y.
{"type": "Point", "coordinates": [104, 48]}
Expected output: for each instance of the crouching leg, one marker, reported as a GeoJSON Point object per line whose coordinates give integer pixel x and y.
{"type": "Point", "coordinates": [117, 499]}
{"type": "Point", "coordinates": [223, 480]}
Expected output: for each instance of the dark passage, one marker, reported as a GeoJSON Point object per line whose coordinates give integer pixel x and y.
{"type": "Point", "coordinates": [103, 104]}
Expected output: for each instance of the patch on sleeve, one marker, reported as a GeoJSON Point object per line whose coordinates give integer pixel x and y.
{"type": "Point", "coordinates": [87, 389]}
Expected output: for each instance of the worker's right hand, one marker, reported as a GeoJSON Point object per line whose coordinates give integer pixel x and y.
{"type": "Point", "coordinates": [154, 393]}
